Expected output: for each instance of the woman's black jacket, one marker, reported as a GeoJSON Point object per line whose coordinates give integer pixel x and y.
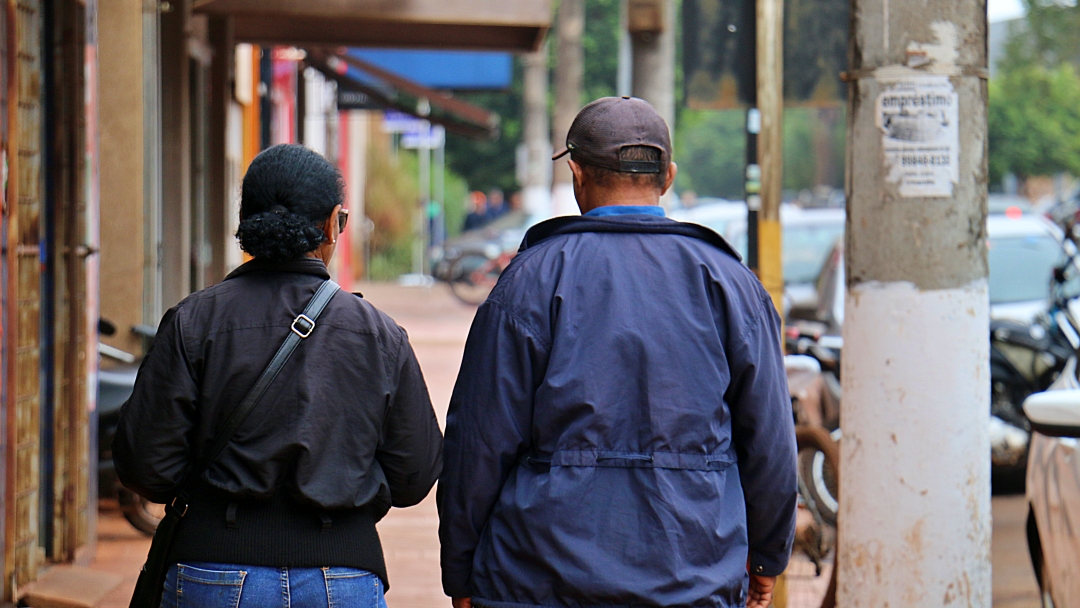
{"type": "Point", "coordinates": [345, 431]}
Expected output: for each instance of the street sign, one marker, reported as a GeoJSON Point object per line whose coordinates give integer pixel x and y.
{"type": "Point", "coordinates": [400, 122]}
{"type": "Point", "coordinates": [429, 138]}
{"type": "Point", "coordinates": [354, 100]}
{"type": "Point", "coordinates": [719, 52]}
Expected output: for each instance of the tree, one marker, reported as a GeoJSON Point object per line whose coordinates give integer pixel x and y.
{"type": "Point", "coordinates": [1034, 121]}
{"type": "Point", "coordinates": [1050, 36]}
{"type": "Point", "coordinates": [1034, 118]}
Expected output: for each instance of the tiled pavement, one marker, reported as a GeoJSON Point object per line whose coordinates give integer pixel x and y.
{"type": "Point", "coordinates": [437, 326]}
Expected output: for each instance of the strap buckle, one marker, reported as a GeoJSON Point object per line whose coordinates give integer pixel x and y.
{"type": "Point", "coordinates": [303, 325]}
{"type": "Point", "coordinates": [183, 511]}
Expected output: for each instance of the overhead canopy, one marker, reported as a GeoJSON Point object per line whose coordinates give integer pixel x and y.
{"type": "Point", "coordinates": [394, 92]}
{"type": "Point", "coordinates": [508, 25]}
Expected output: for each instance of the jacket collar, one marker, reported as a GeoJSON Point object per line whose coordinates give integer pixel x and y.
{"type": "Point", "coordinates": [642, 224]}
{"type": "Point", "coordinates": [301, 266]}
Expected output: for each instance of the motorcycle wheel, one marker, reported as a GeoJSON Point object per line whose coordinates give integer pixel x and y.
{"type": "Point", "coordinates": [472, 277]}
{"type": "Point", "coordinates": [819, 471]}
{"type": "Point", "coordinates": [140, 512]}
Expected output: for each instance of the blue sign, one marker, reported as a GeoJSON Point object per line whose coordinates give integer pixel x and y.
{"type": "Point", "coordinates": [400, 122]}
{"type": "Point", "coordinates": [459, 70]}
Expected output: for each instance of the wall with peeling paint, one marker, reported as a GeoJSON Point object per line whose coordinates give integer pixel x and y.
{"type": "Point", "coordinates": [915, 511]}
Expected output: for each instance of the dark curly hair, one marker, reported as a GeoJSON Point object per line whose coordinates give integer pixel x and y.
{"type": "Point", "coordinates": [288, 193]}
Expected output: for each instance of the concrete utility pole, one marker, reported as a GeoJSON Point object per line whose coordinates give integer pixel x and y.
{"type": "Point", "coordinates": [651, 24]}
{"type": "Point", "coordinates": [569, 73]}
{"type": "Point", "coordinates": [536, 173]}
{"type": "Point", "coordinates": [915, 467]}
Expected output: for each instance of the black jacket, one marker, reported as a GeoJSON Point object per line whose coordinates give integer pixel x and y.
{"type": "Point", "coordinates": [346, 428]}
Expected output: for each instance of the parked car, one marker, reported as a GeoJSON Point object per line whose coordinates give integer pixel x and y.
{"type": "Point", "coordinates": [1053, 489]}
{"type": "Point", "coordinates": [1007, 204]}
{"type": "Point", "coordinates": [717, 214]}
{"type": "Point", "coordinates": [808, 236]}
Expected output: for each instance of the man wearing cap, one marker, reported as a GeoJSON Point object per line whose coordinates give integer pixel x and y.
{"type": "Point", "coordinates": [620, 433]}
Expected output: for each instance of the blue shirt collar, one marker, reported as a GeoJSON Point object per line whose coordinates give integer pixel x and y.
{"type": "Point", "coordinates": [627, 210]}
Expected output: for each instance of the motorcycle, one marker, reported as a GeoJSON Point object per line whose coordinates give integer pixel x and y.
{"type": "Point", "coordinates": [1026, 359]}
{"type": "Point", "coordinates": [116, 380]}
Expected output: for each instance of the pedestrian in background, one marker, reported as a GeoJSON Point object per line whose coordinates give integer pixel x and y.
{"type": "Point", "coordinates": [496, 205]}
{"type": "Point", "coordinates": [286, 515]}
{"type": "Point", "coordinates": [620, 433]}
{"type": "Point", "coordinates": [477, 216]}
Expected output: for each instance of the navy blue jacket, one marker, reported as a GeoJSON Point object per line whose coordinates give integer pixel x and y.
{"type": "Point", "coordinates": [621, 432]}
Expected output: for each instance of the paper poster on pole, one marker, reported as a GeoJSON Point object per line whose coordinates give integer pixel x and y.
{"type": "Point", "coordinates": [919, 118]}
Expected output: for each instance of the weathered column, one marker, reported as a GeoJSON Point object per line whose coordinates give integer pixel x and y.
{"type": "Point", "coordinates": [915, 457]}
{"type": "Point", "coordinates": [652, 26]}
{"type": "Point", "coordinates": [536, 173]}
{"type": "Point", "coordinates": [121, 125]}
{"type": "Point", "coordinates": [569, 72]}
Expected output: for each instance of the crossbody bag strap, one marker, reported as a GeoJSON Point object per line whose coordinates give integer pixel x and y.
{"type": "Point", "coordinates": [301, 328]}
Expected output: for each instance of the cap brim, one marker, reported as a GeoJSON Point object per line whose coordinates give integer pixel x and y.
{"type": "Point", "coordinates": [561, 154]}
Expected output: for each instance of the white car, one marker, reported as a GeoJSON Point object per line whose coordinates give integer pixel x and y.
{"type": "Point", "coordinates": [1053, 489]}
{"type": "Point", "coordinates": [808, 235]}
{"type": "Point", "coordinates": [717, 215]}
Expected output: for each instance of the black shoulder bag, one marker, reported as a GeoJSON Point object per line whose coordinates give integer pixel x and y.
{"type": "Point", "coordinates": [152, 576]}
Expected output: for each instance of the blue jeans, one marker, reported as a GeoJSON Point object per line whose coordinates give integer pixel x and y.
{"type": "Point", "coordinates": [205, 585]}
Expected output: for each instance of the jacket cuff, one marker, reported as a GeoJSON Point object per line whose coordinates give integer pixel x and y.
{"type": "Point", "coordinates": [456, 583]}
{"type": "Point", "coordinates": [763, 564]}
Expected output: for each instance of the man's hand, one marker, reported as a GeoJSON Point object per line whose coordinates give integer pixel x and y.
{"type": "Point", "coordinates": [465, 602]}
{"type": "Point", "coordinates": [761, 591]}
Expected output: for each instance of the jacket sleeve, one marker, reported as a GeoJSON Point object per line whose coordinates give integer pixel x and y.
{"type": "Point", "coordinates": [487, 429]}
{"type": "Point", "coordinates": [152, 446]}
{"type": "Point", "coordinates": [410, 452]}
{"type": "Point", "coordinates": [764, 435]}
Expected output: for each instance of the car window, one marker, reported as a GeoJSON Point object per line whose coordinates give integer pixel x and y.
{"type": "Point", "coordinates": [805, 248]}
{"type": "Point", "coordinates": [1021, 267]}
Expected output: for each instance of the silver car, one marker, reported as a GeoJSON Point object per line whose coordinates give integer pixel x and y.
{"type": "Point", "coordinates": [1053, 489]}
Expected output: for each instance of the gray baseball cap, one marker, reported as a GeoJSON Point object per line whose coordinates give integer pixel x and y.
{"type": "Point", "coordinates": [609, 124]}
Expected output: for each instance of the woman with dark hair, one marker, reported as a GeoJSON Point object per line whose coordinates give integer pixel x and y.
{"type": "Point", "coordinates": [285, 516]}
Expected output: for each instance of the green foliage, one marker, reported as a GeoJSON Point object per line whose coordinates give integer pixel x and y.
{"type": "Point", "coordinates": [455, 205]}
{"type": "Point", "coordinates": [1050, 36]}
{"type": "Point", "coordinates": [1034, 121]}
{"type": "Point", "coordinates": [392, 197]}
{"type": "Point", "coordinates": [710, 148]}
{"type": "Point", "coordinates": [1034, 115]}
{"type": "Point", "coordinates": [487, 164]}
{"type": "Point", "coordinates": [600, 44]}
{"type": "Point", "coordinates": [390, 201]}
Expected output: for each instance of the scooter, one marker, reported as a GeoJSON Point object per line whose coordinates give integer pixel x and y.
{"type": "Point", "coordinates": [116, 380]}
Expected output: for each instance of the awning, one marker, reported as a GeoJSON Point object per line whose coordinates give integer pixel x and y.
{"type": "Point", "coordinates": [509, 25]}
{"type": "Point", "coordinates": [395, 92]}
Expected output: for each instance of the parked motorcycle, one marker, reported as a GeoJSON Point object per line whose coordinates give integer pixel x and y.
{"type": "Point", "coordinates": [116, 380]}
{"type": "Point", "coordinates": [1026, 359]}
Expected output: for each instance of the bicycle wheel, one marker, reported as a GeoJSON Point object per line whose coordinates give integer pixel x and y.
{"type": "Point", "coordinates": [472, 277]}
